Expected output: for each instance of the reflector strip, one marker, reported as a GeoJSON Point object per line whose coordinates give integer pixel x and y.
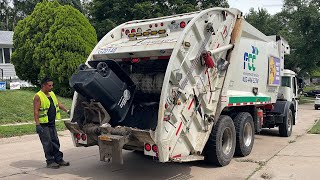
{"type": "Point", "coordinates": [225, 30]}
{"type": "Point", "coordinates": [163, 57]}
{"type": "Point", "coordinates": [176, 156]}
{"type": "Point", "coordinates": [148, 58]}
{"type": "Point", "coordinates": [179, 128]}
{"type": "Point", "coordinates": [248, 103]}
{"type": "Point", "coordinates": [191, 104]}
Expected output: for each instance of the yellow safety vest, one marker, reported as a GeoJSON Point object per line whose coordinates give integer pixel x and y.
{"type": "Point", "coordinates": [45, 104]}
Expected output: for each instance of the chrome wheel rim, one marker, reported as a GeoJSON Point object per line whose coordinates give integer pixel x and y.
{"type": "Point", "coordinates": [247, 134]}
{"type": "Point", "coordinates": [227, 141]}
{"type": "Point", "coordinates": [289, 121]}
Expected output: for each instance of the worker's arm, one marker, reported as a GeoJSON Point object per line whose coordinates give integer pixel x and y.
{"type": "Point", "coordinates": [61, 106]}
{"type": "Point", "coordinates": [36, 108]}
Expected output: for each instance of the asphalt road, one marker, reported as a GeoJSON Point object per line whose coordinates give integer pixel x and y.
{"type": "Point", "coordinates": [23, 158]}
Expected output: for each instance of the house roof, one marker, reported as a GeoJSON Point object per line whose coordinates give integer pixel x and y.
{"type": "Point", "coordinates": [6, 37]}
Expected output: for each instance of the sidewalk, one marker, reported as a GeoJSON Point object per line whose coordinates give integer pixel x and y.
{"type": "Point", "coordinates": [299, 160]}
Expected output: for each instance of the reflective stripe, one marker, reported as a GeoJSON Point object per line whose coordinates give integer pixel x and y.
{"type": "Point", "coordinates": [45, 104]}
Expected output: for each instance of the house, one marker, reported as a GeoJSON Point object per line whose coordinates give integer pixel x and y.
{"type": "Point", "coordinates": [7, 70]}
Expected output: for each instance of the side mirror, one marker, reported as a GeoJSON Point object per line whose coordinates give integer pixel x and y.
{"type": "Point", "coordinates": [301, 83]}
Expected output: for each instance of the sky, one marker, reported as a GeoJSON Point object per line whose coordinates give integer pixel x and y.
{"type": "Point", "coordinates": [272, 6]}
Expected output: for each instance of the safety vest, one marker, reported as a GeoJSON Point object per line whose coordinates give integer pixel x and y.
{"type": "Point", "coordinates": [45, 104]}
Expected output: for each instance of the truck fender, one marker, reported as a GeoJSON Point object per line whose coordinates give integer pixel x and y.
{"type": "Point", "coordinates": [283, 106]}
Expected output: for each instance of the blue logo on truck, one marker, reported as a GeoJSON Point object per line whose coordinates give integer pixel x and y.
{"type": "Point", "coordinates": [249, 59]}
{"type": "Point", "coordinates": [249, 73]}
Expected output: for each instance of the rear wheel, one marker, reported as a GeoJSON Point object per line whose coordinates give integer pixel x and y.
{"type": "Point", "coordinates": [285, 129]}
{"type": "Point", "coordinates": [221, 144]}
{"type": "Point", "coordinates": [245, 133]}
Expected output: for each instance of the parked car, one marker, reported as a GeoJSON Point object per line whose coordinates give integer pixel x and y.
{"type": "Point", "coordinates": [312, 93]}
{"type": "Point", "coordinates": [317, 102]}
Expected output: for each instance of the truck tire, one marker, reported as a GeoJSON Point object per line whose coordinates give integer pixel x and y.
{"type": "Point", "coordinates": [285, 129]}
{"type": "Point", "coordinates": [245, 133]}
{"type": "Point", "coordinates": [221, 144]}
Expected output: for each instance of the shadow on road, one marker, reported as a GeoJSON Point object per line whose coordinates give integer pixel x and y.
{"type": "Point", "coordinates": [136, 166]}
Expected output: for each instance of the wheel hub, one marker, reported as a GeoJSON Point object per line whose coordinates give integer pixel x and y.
{"type": "Point", "coordinates": [227, 141]}
{"type": "Point", "coordinates": [247, 134]}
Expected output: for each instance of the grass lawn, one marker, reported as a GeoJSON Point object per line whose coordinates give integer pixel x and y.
{"type": "Point", "coordinates": [304, 100]}
{"type": "Point", "coordinates": [311, 87]}
{"type": "Point", "coordinates": [315, 129]}
{"type": "Point", "coordinates": [17, 106]}
{"type": "Point", "coordinates": [19, 130]}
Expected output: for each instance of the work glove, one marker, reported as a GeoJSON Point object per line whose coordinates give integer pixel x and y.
{"type": "Point", "coordinates": [39, 129]}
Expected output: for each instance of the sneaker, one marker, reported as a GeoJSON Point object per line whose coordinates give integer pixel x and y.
{"type": "Point", "coordinates": [53, 165]}
{"type": "Point", "coordinates": [63, 163]}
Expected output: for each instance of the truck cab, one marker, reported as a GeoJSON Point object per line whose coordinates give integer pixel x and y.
{"type": "Point", "coordinates": [288, 90]}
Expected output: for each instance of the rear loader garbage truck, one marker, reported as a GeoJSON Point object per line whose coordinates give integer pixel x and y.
{"type": "Point", "coordinates": [187, 87]}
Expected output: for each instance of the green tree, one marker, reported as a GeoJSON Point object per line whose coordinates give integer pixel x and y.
{"type": "Point", "coordinates": [298, 23]}
{"type": "Point", "coordinates": [52, 41]}
{"type": "Point", "coordinates": [5, 14]}
{"type": "Point", "coordinates": [263, 21]}
{"type": "Point", "coordinates": [105, 15]}
{"type": "Point", "coordinates": [303, 33]}
{"type": "Point", "coordinates": [11, 11]}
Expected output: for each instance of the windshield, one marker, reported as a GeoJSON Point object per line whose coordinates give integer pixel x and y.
{"type": "Point", "coordinates": [285, 81]}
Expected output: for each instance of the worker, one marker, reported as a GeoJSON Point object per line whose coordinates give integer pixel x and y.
{"type": "Point", "coordinates": [46, 109]}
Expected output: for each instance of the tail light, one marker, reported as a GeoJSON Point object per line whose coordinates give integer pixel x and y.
{"type": "Point", "coordinates": [155, 148]}
{"type": "Point", "coordinates": [83, 137]}
{"type": "Point", "coordinates": [147, 147]}
{"type": "Point", "coordinates": [78, 136]}
{"type": "Point", "coordinates": [133, 30]}
{"type": "Point", "coordinates": [135, 60]}
{"type": "Point", "coordinates": [156, 25]}
{"type": "Point", "coordinates": [127, 31]}
{"type": "Point", "coordinates": [150, 26]}
{"type": "Point", "coordinates": [182, 24]}
{"type": "Point", "coordinates": [161, 24]}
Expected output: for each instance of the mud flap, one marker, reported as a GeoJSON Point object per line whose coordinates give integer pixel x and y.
{"type": "Point", "coordinates": [110, 148]}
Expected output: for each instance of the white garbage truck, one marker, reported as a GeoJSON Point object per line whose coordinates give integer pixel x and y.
{"type": "Point", "coordinates": [186, 87]}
